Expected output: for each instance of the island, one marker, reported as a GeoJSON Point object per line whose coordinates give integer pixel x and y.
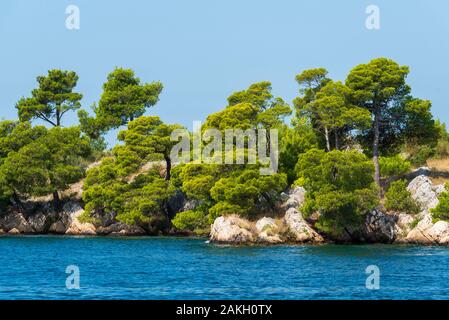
{"type": "Point", "coordinates": [354, 161]}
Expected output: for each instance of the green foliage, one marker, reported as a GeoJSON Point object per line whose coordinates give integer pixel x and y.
{"type": "Point", "coordinates": [332, 113]}
{"type": "Point", "coordinates": [252, 108]}
{"type": "Point", "coordinates": [398, 198]}
{"type": "Point", "coordinates": [294, 141]}
{"type": "Point", "coordinates": [373, 109]}
{"type": "Point", "coordinates": [379, 86]}
{"type": "Point", "coordinates": [380, 81]}
{"type": "Point", "coordinates": [196, 180]}
{"type": "Point", "coordinates": [271, 110]}
{"type": "Point", "coordinates": [415, 222]}
{"type": "Point", "coordinates": [420, 127]}
{"type": "Point", "coordinates": [124, 99]}
{"type": "Point", "coordinates": [149, 138]}
{"type": "Point", "coordinates": [194, 221]}
{"type": "Point", "coordinates": [240, 116]}
{"type": "Point", "coordinates": [48, 164]}
{"type": "Point", "coordinates": [52, 99]}
{"type": "Point", "coordinates": [134, 202]}
{"type": "Point", "coordinates": [147, 198]}
{"type": "Point", "coordinates": [89, 125]}
{"type": "Point", "coordinates": [442, 147]}
{"type": "Point", "coordinates": [339, 186]}
{"type": "Point", "coordinates": [110, 187]}
{"type": "Point", "coordinates": [441, 211]}
{"type": "Point", "coordinates": [242, 190]}
{"type": "Point", "coordinates": [393, 166]}
{"type": "Point", "coordinates": [15, 135]}
{"type": "Point", "coordinates": [102, 188]}
{"type": "Point", "coordinates": [310, 82]}
{"type": "Point", "coordinates": [420, 155]}
{"type": "Point", "coordinates": [238, 189]}
{"type": "Point", "coordinates": [423, 137]}
{"type": "Point", "coordinates": [230, 189]}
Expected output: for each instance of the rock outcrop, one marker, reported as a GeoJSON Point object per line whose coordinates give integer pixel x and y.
{"type": "Point", "coordinates": [425, 231]}
{"type": "Point", "coordinates": [14, 231]}
{"type": "Point", "coordinates": [57, 227]}
{"type": "Point", "coordinates": [291, 228]}
{"type": "Point", "coordinates": [268, 230]}
{"type": "Point", "coordinates": [295, 198]}
{"type": "Point", "coordinates": [72, 213]}
{"type": "Point", "coordinates": [120, 229]}
{"type": "Point", "coordinates": [424, 192]}
{"type": "Point", "coordinates": [231, 229]}
{"type": "Point", "coordinates": [298, 229]}
{"type": "Point", "coordinates": [379, 227]}
{"type": "Point", "coordinates": [39, 222]}
{"type": "Point", "coordinates": [15, 220]}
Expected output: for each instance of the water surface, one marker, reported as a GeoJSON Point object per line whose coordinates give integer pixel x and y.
{"type": "Point", "coordinates": [180, 268]}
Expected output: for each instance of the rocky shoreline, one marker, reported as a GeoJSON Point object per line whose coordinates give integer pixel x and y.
{"type": "Point", "coordinates": [288, 227]}
{"type": "Point", "coordinates": [379, 226]}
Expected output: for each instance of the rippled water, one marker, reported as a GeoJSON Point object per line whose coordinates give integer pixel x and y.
{"type": "Point", "coordinates": [179, 268]}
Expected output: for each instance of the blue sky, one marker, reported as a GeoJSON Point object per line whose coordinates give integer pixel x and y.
{"type": "Point", "coordinates": [203, 50]}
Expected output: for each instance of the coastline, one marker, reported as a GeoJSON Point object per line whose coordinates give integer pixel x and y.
{"type": "Point", "coordinates": [206, 240]}
{"type": "Point", "coordinates": [287, 227]}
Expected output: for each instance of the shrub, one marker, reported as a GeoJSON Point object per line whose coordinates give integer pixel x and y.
{"type": "Point", "coordinates": [441, 211]}
{"type": "Point", "coordinates": [230, 189]}
{"type": "Point", "coordinates": [190, 220]}
{"type": "Point", "coordinates": [442, 149]}
{"type": "Point", "coordinates": [393, 166]}
{"type": "Point", "coordinates": [398, 198]}
{"type": "Point", "coordinates": [421, 155]}
{"type": "Point", "coordinates": [414, 223]}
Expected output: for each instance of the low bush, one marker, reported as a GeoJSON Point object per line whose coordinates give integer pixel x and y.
{"type": "Point", "coordinates": [398, 198]}
{"type": "Point", "coordinates": [441, 211]}
{"type": "Point", "coordinates": [194, 221]}
{"type": "Point", "coordinates": [420, 157]}
{"type": "Point", "coordinates": [393, 166]}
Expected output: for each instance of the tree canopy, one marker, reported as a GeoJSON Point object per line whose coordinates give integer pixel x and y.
{"type": "Point", "coordinates": [339, 186]}
{"type": "Point", "coordinates": [149, 137]}
{"type": "Point", "coordinates": [46, 165]}
{"type": "Point", "coordinates": [52, 99]}
{"type": "Point", "coordinates": [125, 98]}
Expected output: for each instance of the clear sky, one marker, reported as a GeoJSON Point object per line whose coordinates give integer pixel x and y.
{"type": "Point", "coordinates": [203, 50]}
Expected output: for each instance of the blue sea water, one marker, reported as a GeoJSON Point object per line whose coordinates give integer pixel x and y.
{"type": "Point", "coordinates": [34, 267]}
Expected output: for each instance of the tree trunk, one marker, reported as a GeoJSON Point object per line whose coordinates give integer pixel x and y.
{"type": "Point", "coordinates": [58, 116]}
{"type": "Point", "coordinates": [56, 201]}
{"type": "Point", "coordinates": [326, 134]}
{"type": "Point", "coordinates": [336, 140]}
{"type": "Point", "coordinates": [168, 167]}
{"type": "Point", "coordinates": [376, 148]}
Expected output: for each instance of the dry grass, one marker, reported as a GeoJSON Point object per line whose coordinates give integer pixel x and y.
{"type": "Point", "coordinates": [439, 180]}
{"type": "Point", "coordinates": [439, 165]}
